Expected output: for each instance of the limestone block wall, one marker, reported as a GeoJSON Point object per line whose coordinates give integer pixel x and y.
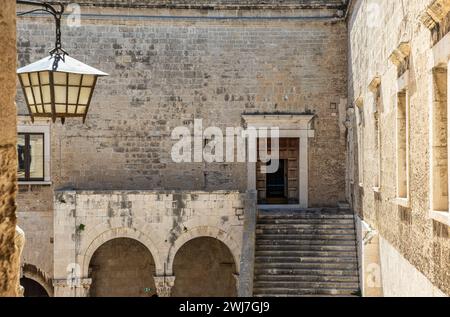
{"type": "Point", "coordinates": [38, 227]}
{"type": "Point", "coordinates": [165, 72]}
{"type": "Point", "coordinates": [376, 29]}
{"type": "Point", "coordinates": [162, 221]}
{"type": "Point", "coordinates": [401, 278]}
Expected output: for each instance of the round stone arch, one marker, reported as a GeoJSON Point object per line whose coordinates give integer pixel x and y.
{"type": "Point", "coordinates": [203, 232]}
{"type": "Point", "coordinates": [117, 233]}
{"type": "Point", "coordinates": [32, 272]}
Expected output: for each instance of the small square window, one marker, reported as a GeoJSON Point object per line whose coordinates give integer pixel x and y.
{"type": "Point", "coordinates": [31, 156]}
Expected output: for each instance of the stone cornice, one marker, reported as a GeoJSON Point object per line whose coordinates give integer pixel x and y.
{"type": "Point", "coordinates": [77, 282]}
{"type": "Point", "coordinates": [400, 54]}
{"type": "Point", "coordinates": [283, 121]}
{"type": "Point", "coordinates": [375, 83]}
{"type": "Point", "coordinates": [359, 102]}
{"type": "Point", "coordinates": [217, 4]}
{"type": "Point", "coordinates": [435, 13]}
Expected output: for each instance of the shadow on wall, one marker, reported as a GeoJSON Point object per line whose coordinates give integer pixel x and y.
{"type": "Point", "coordinates": [33, 288]}
{"type": "Point", "coordinates": [122, 267]}
{"type": "Point", "coordinates": [204, 267]}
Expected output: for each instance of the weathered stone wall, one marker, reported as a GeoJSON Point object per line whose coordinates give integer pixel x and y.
{"type": "Point", "coordinates": [401, 279]}
{"type": "Point", "coordinates": [376, 28]}
{"type": "Point", "coordinates": [9, 253]}
{"type": "Point", "coordinates": [166, 72]}
{"type": "Point", "coordinates": [162, 221]}
{"type": "Point", "coordinates": [38, 251]}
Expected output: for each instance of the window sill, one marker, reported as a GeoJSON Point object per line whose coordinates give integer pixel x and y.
{"type": "Point", "coordinates": [402, 202]}
{"type": "Point", "coordinates": [441, 216]}
{"type": "Point", "coordinates": [44, 183]}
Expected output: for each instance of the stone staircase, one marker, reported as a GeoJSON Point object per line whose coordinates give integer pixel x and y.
{"type": "Point", "coordinates": [306, 253]}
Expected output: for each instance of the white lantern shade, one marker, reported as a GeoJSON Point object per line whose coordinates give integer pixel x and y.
{"type": "Point", "coordinates": [58, 92]}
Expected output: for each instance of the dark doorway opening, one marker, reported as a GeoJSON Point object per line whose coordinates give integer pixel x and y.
{"type": "Point", "coordinates": [281, 187]}
{"type": "Point", "coordinates": [277, 186]}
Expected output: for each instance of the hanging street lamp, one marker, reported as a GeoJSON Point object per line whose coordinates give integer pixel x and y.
{"type": "Point", "coordinates": [57, 86]}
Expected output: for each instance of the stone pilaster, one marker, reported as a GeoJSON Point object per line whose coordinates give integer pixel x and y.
{"type": "Point", "coordinates": [20, 244]}
{"type": "Point", "coordinates": [164, 285]}
{"type": "Point", "coordinates": [9, 251]}
{"type": "Point", "coordinates": [245, 277]}
{"type": "Point", "coordinates": [237, 279]}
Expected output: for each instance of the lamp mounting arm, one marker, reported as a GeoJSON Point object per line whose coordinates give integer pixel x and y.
{"type": "Point", "coordinates": [51, 8]}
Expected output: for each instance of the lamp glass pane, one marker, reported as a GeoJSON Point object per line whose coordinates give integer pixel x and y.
{"type": "Point", "coordinates": [73, 95]}
{"type": "Point", "coordinates": [72, 109]}
{"type": "Point", "coordinates": [29, 94]}
{"type": "Point", "coordinates": [46, 95]}
{"type": "Point", "coordinates": [45, 78]}
{"type": "Point", "coordinates": [88, 80]}
{"type": "Point", "coordinates": [84, 96]}
{"type": "Point", "coordinates": [37, 94]}
{"type": "Point", "coordinates": [36, 156]}
{"type": "Point", "coordinates": [60, 78]}
{"type": "Point", "coordinates": [25, 80]}
{"type": "Point", "coordinates": [40, 109]}
{"type": "Point", "coordinates": [34, 79]}
{"type": "Point", "coordinates": [33, 109]}
{"type": "Point", "coordinates": [60, 108]}
{"type": "Point", "coordinates": [81, 110]}
{"type": "Point", "coordinates": [60, 94]}
{"type": "Point", "coordinates": [48, 108]}
{"type": "Point", "coordinates": [74, 79]}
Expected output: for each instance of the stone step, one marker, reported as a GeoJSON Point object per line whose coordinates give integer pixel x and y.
{"type": "Point", "coordinates": [304, 247]}
{"type": "Point", "coordinates": [310, 253]}
{"type": "Point", "coordinates": [297, 231]}
{"type": "Point", "coordinates": [305, 242]}
{"type": "Point", "coordinates": [306, 278]}
{"type": "Point", "coordinates": [306, 216]}
{"type": "Point", "coordinates": [333, 222]}
{"type": "Point", "coordinates": [310, 237]}
{"type": "Point", "coordinates": [305, 272]}
{"type": "Point", "coordinates": [295, 260]}
{"type": "Point", "coordinates": [302, 292]}
{"type": "Point", "coordinates": [292, 210]}
{"type": "Point", "coordinates": [296, 253]}
{"type": "Point", "coordinates": [306, 285]}
{"type": "Point", "coordinates": [307, 265]}
{"type": "Point", "coordinates": [306, 225]}
{"type": "Point", "coordinates": [307, 296]}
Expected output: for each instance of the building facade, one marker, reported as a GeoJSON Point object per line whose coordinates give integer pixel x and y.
{"type": "Point", "coordinates": [108, 212]}
{"type": "Point", "coordinates": [398, 180]}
